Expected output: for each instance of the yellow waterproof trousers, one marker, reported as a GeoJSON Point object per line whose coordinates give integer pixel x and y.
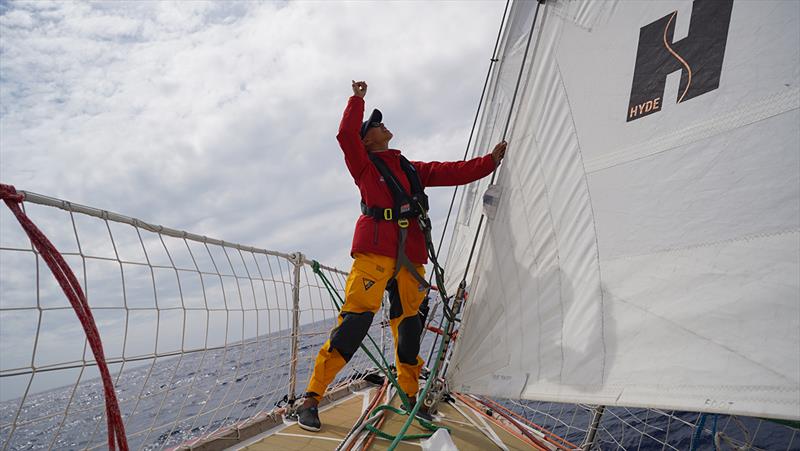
{"type": "Point", "coordinates": [363, 295]}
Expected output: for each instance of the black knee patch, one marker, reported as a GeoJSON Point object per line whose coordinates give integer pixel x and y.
{"type": "Point", "coordinates": [395, 306]}
{"type": "Point", "coordinates": [409, 331]}
{"type": "Point", "coordinates": [350, 333]}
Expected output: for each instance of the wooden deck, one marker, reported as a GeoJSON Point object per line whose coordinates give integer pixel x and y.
{"type": "Point", "coordinates": [470, 430]}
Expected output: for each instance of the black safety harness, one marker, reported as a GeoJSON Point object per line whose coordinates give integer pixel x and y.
{"type": "Point", "coordinates": [407, 206]}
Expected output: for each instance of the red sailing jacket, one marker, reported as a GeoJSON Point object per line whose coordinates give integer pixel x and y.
{"type": "Point", "coordinates": [380, 237]}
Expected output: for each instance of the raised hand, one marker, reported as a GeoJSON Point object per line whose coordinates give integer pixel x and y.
{"type": "Point", "coordinates": [359, 88]}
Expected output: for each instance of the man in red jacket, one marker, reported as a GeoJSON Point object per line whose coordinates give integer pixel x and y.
{"type": "Point", "coordinates": [379, 262]}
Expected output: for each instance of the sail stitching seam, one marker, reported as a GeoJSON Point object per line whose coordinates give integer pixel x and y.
{"type": "Point", "coordinates": [594, 224]}
{"type": "Point", "coordinates": [750, 237]}
{"type": "Point", "coordinates": [765, 108]}
{"type": "Point", "coordinates": [700, 336]}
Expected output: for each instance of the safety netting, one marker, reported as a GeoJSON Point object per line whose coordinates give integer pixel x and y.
{"type": "Point", "coordinates": [200, 335]}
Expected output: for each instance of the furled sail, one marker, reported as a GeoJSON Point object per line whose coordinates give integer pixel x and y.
{"type": "Point", "coordinates": [641, 245]}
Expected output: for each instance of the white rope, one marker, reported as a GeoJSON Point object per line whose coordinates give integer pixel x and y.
{"type": "Point", "coordinates": [196, 331]}
{"type": "Point", "coordinates": [485, 429]}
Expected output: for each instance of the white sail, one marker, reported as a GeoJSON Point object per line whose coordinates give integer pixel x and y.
{"type": "Point", "coordinates": [645, 250]}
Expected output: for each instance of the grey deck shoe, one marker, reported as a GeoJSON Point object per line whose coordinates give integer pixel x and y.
{"type": "Point", "coordinates": [422, 413]}
{"type": "Point", "coordinates": [308, 419]}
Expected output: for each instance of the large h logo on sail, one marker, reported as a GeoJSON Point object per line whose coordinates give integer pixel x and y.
{"type": "Point", "coordinates": [698, 56]}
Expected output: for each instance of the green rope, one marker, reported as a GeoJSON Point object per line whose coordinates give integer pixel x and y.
{"type": "Point", "coordinates": [334, 296]}
{"type": "Point", "coordinates": [412, 415]}
{"type": "Point", "coordinates": [315, 266]}
{"type": "Point", "coordinates": [426, 424]}
{"type": "Point", "coordinates": [388, 436]}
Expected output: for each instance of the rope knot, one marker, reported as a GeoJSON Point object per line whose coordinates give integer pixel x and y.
{"type": "Point", "coordinates": [9, 193]}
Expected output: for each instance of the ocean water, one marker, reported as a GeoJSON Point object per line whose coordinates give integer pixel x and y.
{"type": "Point", "coordinates": [651, 429]}
{"type": "Point", "coordinates": [175, 399]}
{"type": "Point", "coordinates": [181, 398]}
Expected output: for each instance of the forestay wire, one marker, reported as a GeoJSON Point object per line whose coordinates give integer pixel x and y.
{"type": "Point", "coordinates": [625, 422]}
{"type": "Point", "coordinates": [504, 135]}
{"type": "Point", "coordinates": [449, 322]}
{"type": "Point", "coordinates": [505, 132]}
{"type": "Point", "coordinates": [494, 59]}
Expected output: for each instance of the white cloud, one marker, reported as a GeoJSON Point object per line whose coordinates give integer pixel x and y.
{"type": "Point", "coordinates": [16, 19]}
{"type": "Point", "coordinates": [220, 117]}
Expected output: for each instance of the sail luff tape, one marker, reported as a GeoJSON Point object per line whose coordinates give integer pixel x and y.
{"type": "Point", "coordinates": [116, 217]}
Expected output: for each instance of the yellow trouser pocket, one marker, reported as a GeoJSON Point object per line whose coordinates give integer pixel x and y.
{"type": "Point", "coordinates": [366, 282]}
{"type": "Point", "coordinates": [363, 296]}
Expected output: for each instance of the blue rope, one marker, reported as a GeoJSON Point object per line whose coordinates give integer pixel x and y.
{"type": "Point", "coordinates": [701, 423]}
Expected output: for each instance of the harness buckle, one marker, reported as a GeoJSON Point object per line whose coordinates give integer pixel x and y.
{"type": "Point", "coordinates": [403, 223]}
{"type": "Point", "coordinates": [387, 214]}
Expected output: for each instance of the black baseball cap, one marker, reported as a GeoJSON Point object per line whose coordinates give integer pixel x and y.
{"type": "Point", "coordinates": [376, 116]}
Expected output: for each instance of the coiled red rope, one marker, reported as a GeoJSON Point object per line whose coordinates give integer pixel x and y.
{"type": "Point", "coordinates": [72, 289]}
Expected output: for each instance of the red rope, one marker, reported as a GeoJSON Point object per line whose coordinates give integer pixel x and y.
{"type": "Point", "coordinates": [72, 289]}
{"type": "Point", "coordinates": [438, 331]}
{"type": "Point", "coordinates": [565, 444]}
{"type": "Point", "coordinates": [533, 439]}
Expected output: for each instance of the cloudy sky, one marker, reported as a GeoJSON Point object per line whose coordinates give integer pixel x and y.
{"type": "Point", "coordinates": [220, 117]}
